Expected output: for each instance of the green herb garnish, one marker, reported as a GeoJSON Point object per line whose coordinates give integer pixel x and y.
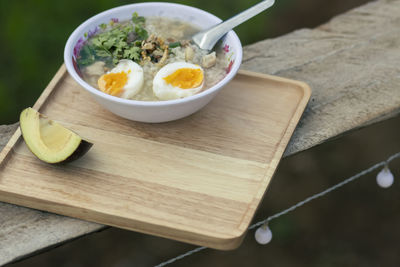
{"type": "Point", "coordinates": [175, 44]}
{"type": "Point", "coordinates": [133, 53]}
{"type": "Point", "coordinates": [141, 32]}
{"type": "Point", "coordinates": [113, 44]}
{"type": "Point", "coordinates": [138, 20]}
{"type": "Point", "coordinates": [87, 55]}
{"type": "Point", "coordinates": [103, 26]}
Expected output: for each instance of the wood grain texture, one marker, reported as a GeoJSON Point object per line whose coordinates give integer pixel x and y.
{"type": "Point", "coordinates": [198, 180]}
{"type": "Point", "coordinates": [364, 40]}
{"type": "Point", "coordinates": [351, 63]}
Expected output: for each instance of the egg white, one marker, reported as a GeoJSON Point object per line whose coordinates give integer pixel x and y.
{"type": "Point", "coordinates": [135, 77]}
{"type": "Point", "coordinates": [165, 91]}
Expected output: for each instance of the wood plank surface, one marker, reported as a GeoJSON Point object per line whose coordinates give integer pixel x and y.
{"type": "Point", "coordinates": [198, 179]}
{"type": "Point", "coordinates": [352, 65]}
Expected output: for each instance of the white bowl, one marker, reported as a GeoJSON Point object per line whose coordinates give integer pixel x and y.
{"type": "Point", "coordinates": [154, 111]}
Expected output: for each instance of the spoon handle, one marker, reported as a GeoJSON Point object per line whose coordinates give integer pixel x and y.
{"type": "Point", "coordinates": [208, 38]}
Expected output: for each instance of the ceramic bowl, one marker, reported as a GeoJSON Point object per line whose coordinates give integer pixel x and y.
{"type": "Point", "coordinates": [153, 111]}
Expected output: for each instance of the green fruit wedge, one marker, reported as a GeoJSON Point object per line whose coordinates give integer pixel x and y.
{"type": "Point", "coordinates": [48, 140]}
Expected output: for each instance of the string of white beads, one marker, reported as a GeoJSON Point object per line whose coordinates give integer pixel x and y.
{"type": "Point", "coordinates": [263, 234]}
{"type": "Point", "coordinates": [385, 177]}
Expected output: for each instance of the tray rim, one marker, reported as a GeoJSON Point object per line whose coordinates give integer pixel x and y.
{"type": "Point", "coordinates": [220, 243]}
{"type": "Point", "coordinates": [292, 123]}
{"type": "Point", "coordinates": [7, 150]}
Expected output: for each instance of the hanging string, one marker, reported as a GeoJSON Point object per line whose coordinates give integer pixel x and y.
{"type": "Point", "coordinates": [295, 206]}
{"type": "Point", "coordinates": [190, 252]}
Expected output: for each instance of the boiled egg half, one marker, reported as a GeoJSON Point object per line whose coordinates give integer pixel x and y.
{"type": "Point", "coordinates": [178, 80]}
{"type": "Point", "coordinates": [125, 80]}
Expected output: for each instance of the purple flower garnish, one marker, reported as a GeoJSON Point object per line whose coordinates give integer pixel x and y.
{"type": "Point", "coordinates": [78, 47]}
{"type": "Point", "coordinates": [226, 48]}
{"type": "Point", "coordinates": [91, 33]}
{"type": "Point", "coordinates": [115, 20]}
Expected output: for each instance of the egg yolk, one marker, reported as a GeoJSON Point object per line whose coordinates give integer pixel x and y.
{"type": "Point", "coordinates": [112, 83]}
{"type": "Point", "coordinates": [185, 78]}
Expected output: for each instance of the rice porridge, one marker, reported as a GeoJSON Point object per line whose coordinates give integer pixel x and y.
{"type": "Point", "coordinates": [148, 59]}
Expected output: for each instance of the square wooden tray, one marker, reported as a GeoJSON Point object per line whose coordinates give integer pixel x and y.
{"type": "Point", "coordinates": [198, 180]}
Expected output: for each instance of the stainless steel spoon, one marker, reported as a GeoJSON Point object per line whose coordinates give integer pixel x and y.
{"type": "Point", "coordinates": [208, 38]}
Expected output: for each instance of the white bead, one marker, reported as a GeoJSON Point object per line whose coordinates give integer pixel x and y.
{"type": "Point", "coordinates": [385, 178]}
{"type": "Point", "coordinates": [263, 235]}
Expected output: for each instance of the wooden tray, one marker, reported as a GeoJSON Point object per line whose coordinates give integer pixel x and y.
{"type": "Point", "coordinates": [197, 180]}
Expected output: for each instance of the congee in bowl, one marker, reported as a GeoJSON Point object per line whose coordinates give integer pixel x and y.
{"type": "Point", "coordinates": [148, 59]}
{"type": "Point", "coordinates": [137, 61]}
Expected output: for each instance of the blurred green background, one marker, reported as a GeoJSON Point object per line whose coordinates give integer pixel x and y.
{"type": "Point", "coordinates": [33, 35]}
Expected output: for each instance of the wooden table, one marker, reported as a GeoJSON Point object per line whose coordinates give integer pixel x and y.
{"type": "Point", "coordinates": [352, 65]}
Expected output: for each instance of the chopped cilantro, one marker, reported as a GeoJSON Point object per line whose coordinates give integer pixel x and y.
{"type": "Point", "coordinates": [103, 26]}
{"type": "Point", "coordinates": [141, 32]}
{"type": "Point", "coordinates": [132, 53]}
{"type": "Point", "coordinates": [115, 42]}
{"type": "Point", "coordinates": [138, 20]}
{"type": "Point", "coordinates": [175, 44]}
{"type": "Point", "coordinates": [86, 56]}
